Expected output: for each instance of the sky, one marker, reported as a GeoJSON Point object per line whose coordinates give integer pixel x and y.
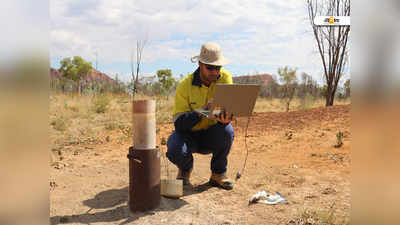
{"type": "Point", "coordinates": [258, 36]}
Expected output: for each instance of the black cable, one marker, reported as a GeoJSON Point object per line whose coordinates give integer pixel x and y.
{"type": "Point", "coordinates": [239, 173]}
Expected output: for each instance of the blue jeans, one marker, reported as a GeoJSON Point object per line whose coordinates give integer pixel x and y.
{"type": "Point", "coordinates": [216, 139]}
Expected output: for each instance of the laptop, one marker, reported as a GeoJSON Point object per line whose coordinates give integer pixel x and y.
{"type": "Point", "coordinates": [236, 99]}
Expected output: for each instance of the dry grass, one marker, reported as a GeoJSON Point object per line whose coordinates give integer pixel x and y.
{"type": "Point", "coordinates": [164, 109]}
{"type": "Point", "coordinates": [77, 119]}
{"type": "Point", "coordinates": [278, 105]}
{"type": "Point", "coordinates": [92, 118]}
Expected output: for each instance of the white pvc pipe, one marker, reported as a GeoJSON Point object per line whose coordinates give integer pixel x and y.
{"type": "Point", "coordinates": [144, 124]}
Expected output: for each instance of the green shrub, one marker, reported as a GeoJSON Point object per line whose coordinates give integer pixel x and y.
{"type": "Point", "coordinates": [59, 124]}
{"type": "Point", "coordinates": [74, 108]}
{"type": "Point", "coordinates": [126, 130]}
{"type": "Point", "coordinates": [112, 125]}
{"type": "Point", "coordinates": [101, 104]}
{"type": "Point", "coordinates": [339, 139]}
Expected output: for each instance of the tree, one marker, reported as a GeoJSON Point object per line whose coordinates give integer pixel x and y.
{"type": "Point", "coordinates": [63, 83]}
{"type": "Point", "coordinates": [139, 53]}
{"type": "Point", "coordinates": [119, 86]}
{"type": "Point", "coordinates": [331, 42]}
{"type": "Point", "coordinates": [323, 91]}
{"type": "Point", "coordinates": [270, 90]}
{"type": "Point", "coordinates": [347, 88]}
{"type": "Point", "coordinates": [75, 69]}
{"type": "Point", "coordinates": [289, 84]}
{"type": "Point", "coordinates": [308, 86]}
{"type": "Point", "coordinates": [302, 90]}
{"type": "Point", "coordinates": [166, 81]}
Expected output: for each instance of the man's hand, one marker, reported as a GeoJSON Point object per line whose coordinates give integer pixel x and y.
{"type": "Point", "coordinates": [208, 105]}
{"type": "Point", "coordinates": [224, 117]}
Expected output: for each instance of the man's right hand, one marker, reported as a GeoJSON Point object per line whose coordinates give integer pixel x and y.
{"type": "Point", "coordinates": [208, 105]}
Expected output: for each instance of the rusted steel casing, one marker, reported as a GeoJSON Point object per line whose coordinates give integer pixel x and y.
{"type": "Point", "coordinates": [144, 179]}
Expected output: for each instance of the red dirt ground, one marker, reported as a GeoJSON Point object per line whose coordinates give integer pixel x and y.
{"type": "Point", "coordinates": [292, 153]}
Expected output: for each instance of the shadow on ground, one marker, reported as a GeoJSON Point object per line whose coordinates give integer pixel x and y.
{"type": "Point", "coordinates": [109, 199]}
{"type": "Point", "coordinates": [192, 190]}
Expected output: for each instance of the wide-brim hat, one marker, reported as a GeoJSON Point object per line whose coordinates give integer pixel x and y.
{"type": "Point", "coordinates": [211, 54]}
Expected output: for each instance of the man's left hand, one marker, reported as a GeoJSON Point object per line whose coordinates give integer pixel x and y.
{"type": "Point", "coordinates": [224, 117]}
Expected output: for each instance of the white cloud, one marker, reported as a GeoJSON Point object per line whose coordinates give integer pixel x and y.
{"type": "Point", "coordinates": [250, 32]}
{"type": "Point", "coordinates": [23, 30]}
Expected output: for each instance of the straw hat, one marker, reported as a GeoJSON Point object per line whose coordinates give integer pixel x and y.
{"type": "Point", "coordinates": [210, 54]}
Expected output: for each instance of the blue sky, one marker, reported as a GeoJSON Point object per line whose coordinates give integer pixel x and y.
{"type": "Point", "coordinates": [258, 36]}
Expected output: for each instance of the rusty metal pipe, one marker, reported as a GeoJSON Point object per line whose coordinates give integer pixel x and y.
{"type": "Point", "coordinates": [144, 179]}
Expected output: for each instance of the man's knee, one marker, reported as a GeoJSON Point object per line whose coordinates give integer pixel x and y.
{"type": "Point", "coordinates": [229, 133]}
{"type": "Point", "coordinates": [177, 152]}
{"type": "Point", "coordinates": [176, 148]}
{"type": "Point", "coordinates": [225, 136]}
{"type": "Point", "coordinates": [172, 147]}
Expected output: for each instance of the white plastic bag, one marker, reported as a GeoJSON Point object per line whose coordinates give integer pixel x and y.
{"type": "Point", "coordinates": [269, 199]}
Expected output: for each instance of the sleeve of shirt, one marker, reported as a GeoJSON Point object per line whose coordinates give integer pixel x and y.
{"type": "Point", "coordinates": [184, 118]}
{"type": "Point", "coordinates": [227, 77]}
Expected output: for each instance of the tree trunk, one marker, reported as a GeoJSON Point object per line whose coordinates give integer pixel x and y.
{"type": "Point", "coordinates": [328, 96]}
{"type": "Point", "coordinates": [287, 106]}
{"type": "Point", "coordinates": [332, 97]}
{"type": "Point", "coordinates": [136, 82]}
{"type": "Point", "coordinates": [79, 88]}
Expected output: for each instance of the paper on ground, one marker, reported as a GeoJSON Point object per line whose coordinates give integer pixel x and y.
{"type": "Point", "coordinates": [270, 199]}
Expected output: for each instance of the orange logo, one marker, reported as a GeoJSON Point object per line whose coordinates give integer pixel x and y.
{"type": "Point", "coordinates": [331, 20]}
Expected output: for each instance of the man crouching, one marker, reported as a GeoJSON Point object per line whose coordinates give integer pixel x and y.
{"type": "Point", "coordinates": [195, 133]}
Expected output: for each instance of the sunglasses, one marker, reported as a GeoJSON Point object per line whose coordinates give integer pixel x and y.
{"type": "Point", "coordinates": [211, 67]}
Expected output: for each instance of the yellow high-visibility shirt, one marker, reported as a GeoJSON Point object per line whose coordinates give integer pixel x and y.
{"type": "Point", "coordinates": [192, 94]}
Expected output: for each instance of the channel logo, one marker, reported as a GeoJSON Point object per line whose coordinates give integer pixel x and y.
{"type": "Point", "coordinates": [332, 21]}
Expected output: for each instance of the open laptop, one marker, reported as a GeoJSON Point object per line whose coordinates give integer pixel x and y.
{"type": "Point", "coordinates": [236, 99]}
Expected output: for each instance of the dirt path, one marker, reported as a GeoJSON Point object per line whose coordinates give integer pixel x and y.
{"type": "Point", "coordinates": [291, 153]}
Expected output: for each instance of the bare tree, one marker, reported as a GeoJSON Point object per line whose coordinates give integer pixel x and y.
{"type": "Point", "coordinates": [289, 84]}
{"type": "Point", "coordinates": [139, 53]}
{"type": "Point", "coordinates": [347, 88]}
{"type": "Point", "coordinates": [331, 41]}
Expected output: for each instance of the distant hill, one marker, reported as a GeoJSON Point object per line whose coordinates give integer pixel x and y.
{"type": "Point", "coordinates": [260, 78]}
{"type": "Point", "coordinates": [95, 75]}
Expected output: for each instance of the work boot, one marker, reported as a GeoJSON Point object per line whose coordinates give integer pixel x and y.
{"type": "Point", "coordinates": [221, 181]}
{"type": "Point", "coordinates": [184, 176]}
